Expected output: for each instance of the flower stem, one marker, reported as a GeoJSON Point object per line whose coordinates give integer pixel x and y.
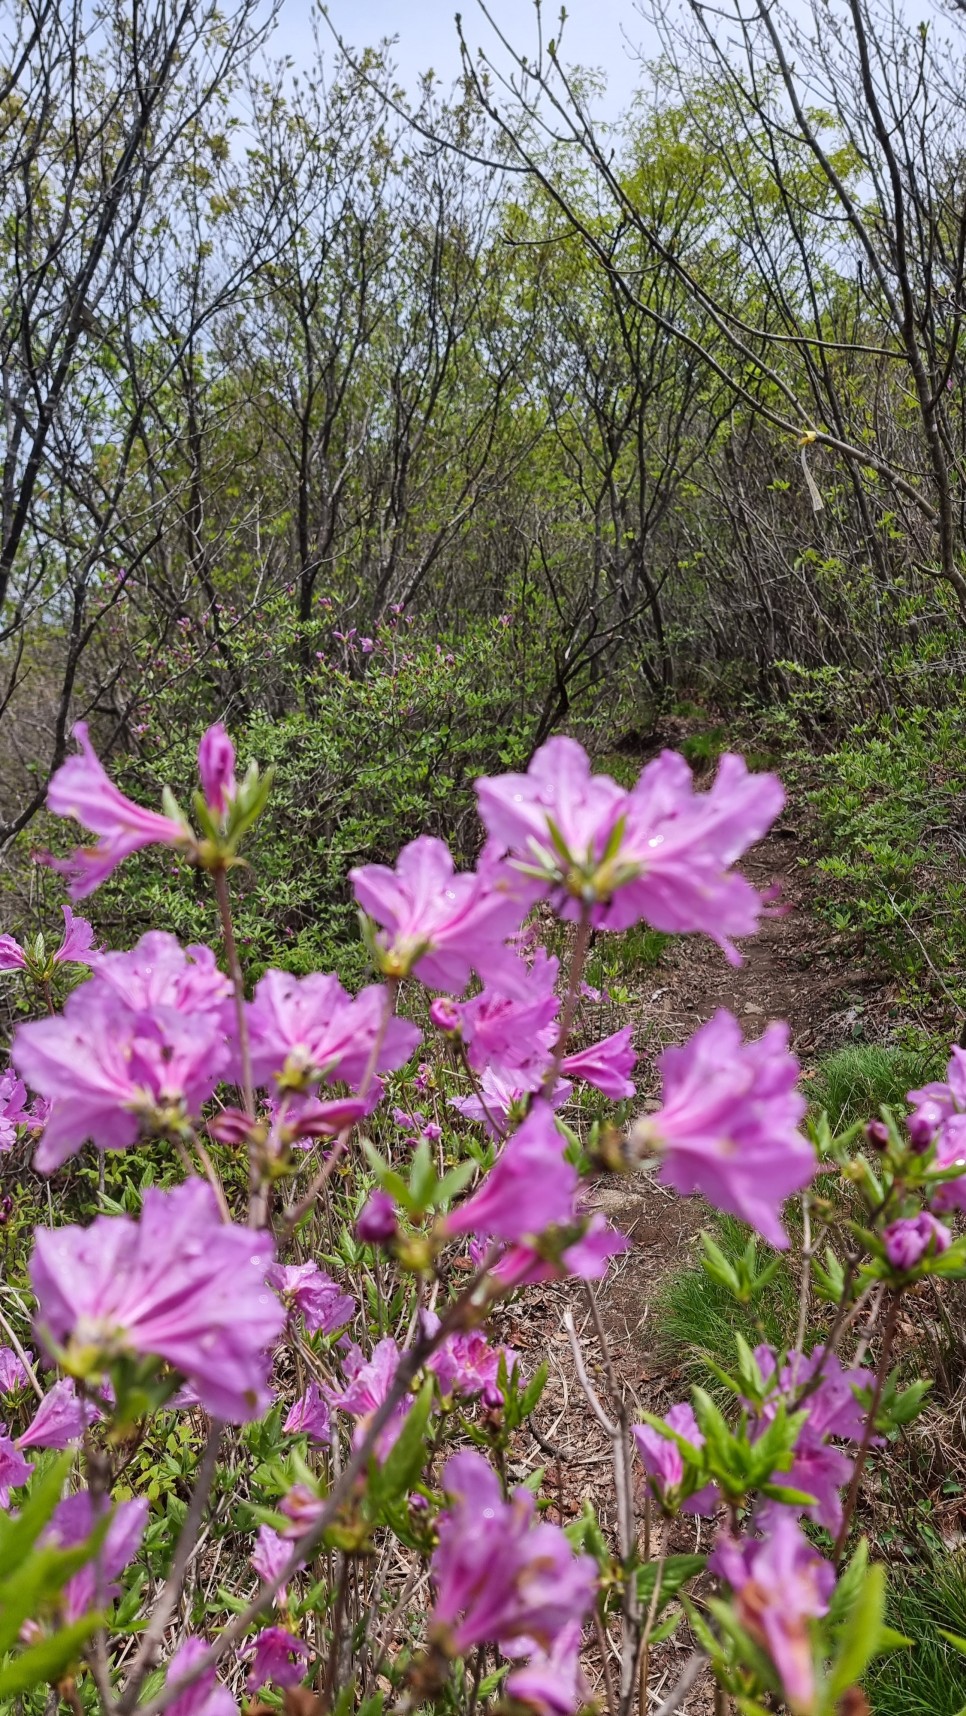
{"type": "Point", "coordinates": [577, 963]}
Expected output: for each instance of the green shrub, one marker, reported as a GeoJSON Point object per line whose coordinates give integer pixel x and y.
{"type": "Point", "coordinates": [695, 1316]}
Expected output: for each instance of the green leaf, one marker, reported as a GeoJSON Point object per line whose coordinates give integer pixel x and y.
{"type": "Point", "coordinates": [675, 1571]}
{"type": "Point", "coordinates": [406, 1458]}
{"type": "Point", "coordinates": [47, 1661]}
{"type": "Point", "coordinates": [861, 1633]}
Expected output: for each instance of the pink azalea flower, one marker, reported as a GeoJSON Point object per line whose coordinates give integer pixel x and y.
{"type": "Point", "coordinates": [551, 1683]}
{"type": "Point", "coordinates": [14, 1469]}
{"type": "Point", "coordinates": [911, 1238]}
{"type": "Point", "coordinates": [12, 956]}
{"type": "Point", "coordinates": [661, 852]}
{"type": "Point", "coordinates": [365, 1393]}
{"type": "Point", "coordinates": [204, 1697]}
{"type": "Point", "coordinates": [376, 1223]}
{"type": "Point", "coordinates": [216, 769]}
{"type": "Point", "coordinates": [179, 1284]}
{"type": "Point", "coordinates": [605, 1065]}
{"type": "Point", "coordinates": [940, 1118]}
{"type": "Point", "coordinates": [780, 1583]}
{"type": "Point", "coordinates": [269, 1556]}
{"type": "Point", "coordinates": [728, 1124]}
{"type": "Point", "coordinates": [82, 789]}
{"type": "Point", "coordinates": [664, 1463]}
{"type": "Point", "coordinates": [60, 1420]}
{"type": "Point", "coordinates": [94, 1586]}
{"type": "Point", "coordinates": [301, 1508]}
{"type": "Point", "coordinates": [465, 1364]}
{"type": "Point", "coordinates": [588, 1257]}
{"type": "Point", "coordinates": [440, 925]}
{"type": "Point", "coordinates": [77, 946]}
{"type": "Point", "coordinates": [529, 1188]}
{"type": "Point", "coordinates": [113, 1074]}
{"type": "Point", "coordinates": [309, 1416]}
{"type": "Point", "coordinates": [517, 1029]}
{"type": "Point", "coordinates": [277, 1657]}
{"type": "Point", "coordinates": [306, 1029]}
{"type": "Point", "coordinates": [12, 1372]}
{"type": "Point", "coordinates": [818, 1469]}
{"type": "Point", "coordinates": [13, 1109]}
{"type": "Point", "coordinates": [305, 1287]}
{"type": "Point", "coordinates": [501, 1090]}
{"type": "Point", "coordinates": [501, 1576]}
{"type": "Point", "coordinates": [159, 972]}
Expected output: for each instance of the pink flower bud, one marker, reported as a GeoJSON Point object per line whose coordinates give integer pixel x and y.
{"type": "Point", "coordinates": [216, 768]}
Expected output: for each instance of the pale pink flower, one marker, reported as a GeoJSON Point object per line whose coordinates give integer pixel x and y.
{"type": "Point", "coordinates": [605, 1065]}
{"type": "Point", "coordinates": [82, 789]}
{"type": "Point", "coordinates": [179, 1284]}
{"type": "Point", "coordinates": [306, 1288]}
{"type": "Point", "coordinates": [76, 947]}
{"type": "Point", "coordinates": [940, 1119]}
{"type": "Point", "coordinates": [517, 1029]}
{"type": "Point", "coordinates": [114, 1075]}
{"type": "Point", "coordinates": [95, 1585]}
{"type": "Point", "coordinates": [159, 972]}
{"type": "Point", "coordinates": [465, 1363]}
{"type": "Point", "coordinates": [780, 1584]}
{"type": "Point", "coordinates": [306, 1029]}
{"type": "Point", "coordinates": [500, 1091]}
{"type": "Point", "coordinates": [728, 1124]}
{"type": "Point", "coordinates": [204, 1697]}
{"type": "Point", "coordinates": [216, 769]}
{"type": "Point", "coordinates": [269, 1556]}
{"type": "Point", "coordinates": [13, 1109]}
{"type": "Point", "coordinates": [502, 1576]}
{"type": "Point", "coordinates": [60, 1420]}
{"type": "Point", "coordinates": [436, 923]}
{"type": "Point", "coordinates": [587, 1255]}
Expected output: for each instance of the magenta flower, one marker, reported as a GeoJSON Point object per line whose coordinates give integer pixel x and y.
{"type": "Point", "coordinates": [216, 769]}
{"type": "Point", "coordinates": [587, 1256]}
{"type": "Point", "coordinates": [76, 947]}
{"type": "Point", "coordinates": [465, 1364]}
{"type": "Point", "coordinates": [114, 1075]}
{"type": "Point", "coordinates": [437, 924]}
{"type": "Point", "coordinates": [605, 1065]}
{"type": "Point", "coordinates": [501, 1577]}
{"type": "Point", "coordinates": [95, 1585]}
{"type": "Point", "coordinates": [269, 1556]}
{"type": "Point", "coordinates": [306, 1029]}
{"type": "Point", "coordinates": [13, 1109]}
{"type": "Point", "coordinates": [780, 1583]}
{"type": "Point", "coordinates": [60, 1420]}
{"type": "Point", "coordinates": [82, 789]}
{"type": "Point", "coordinates": [940, 1118]}
{"type": "Point", "coordinates": [367, 1389]}
{"type": "Point", "coordinates": [14, 1469]}
{"type": "Point", "coordinates": [180, 1285]}
{"type": "Point", "coordinates": [204, 1697]}
{"type": "Point", "coordinates": [664, 1463]}
{"type": "Point", "coordinates": [818, 1469]}
{"type": "Point", "coordinates": [661, 853]}
{"type": "Point", "coordinates": [513, 1030]}
{"type": "Point", "coordinates": [277, 1657]}
{"type": "Point", "coordinates": [301, 1508]}
{"type": "Point", "coordinates": [309, 1416]}
{"type": "Point", "coordinates": [551, 1683]}
{"type": "Point", "coordinates": [501, 1091]}
{"type": "Point", "coordinates": [529, 1188]}
{"type": "Point", "coordinates": [306, 1288]}
{"type": "Point", "coordinates": [728, 1124]}
{"type": "Point", "coordinates": [13, 1375]}
{"type": "Point", "coordinates": [376, 1223]}
{"type": "Point", "coordinates": [159, 972]}
{"type": "Point", "coordinates": [911, 1238]}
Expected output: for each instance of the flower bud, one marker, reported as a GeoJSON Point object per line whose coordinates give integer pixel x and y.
{"type": "Point", "coordinates": [446, 1015]}
{"type": "Point", "coordinates": [216, 769]}
{"type": "Point", "coordinates": [377, 1221]}
{"type": "Point", "coordinates": [877, 1135]}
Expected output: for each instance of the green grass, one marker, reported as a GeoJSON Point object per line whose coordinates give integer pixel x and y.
{"type": "Point", "coordinates": [856, 1082]}
{"type": "Point", "coordinates": [695, 1316]}
{"type": "Point", "coordinates": [929, 1679]}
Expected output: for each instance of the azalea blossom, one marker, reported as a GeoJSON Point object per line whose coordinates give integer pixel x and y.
{"type": "Point", "coordinates": [367, 1389]}
{"type": "Point", "coordinates": [661, 852]}
{"type": "Point", "coordinates": [269, 1556]}
{"type": "Point", "coordinates": [205, 1696]}
{"type": "Point", "coordinates": [465, 1363]}
{"type": "Point", "coordinates": [309, 1415]}
{"type": "Point", "coordinates": [501, 1091]}
{"type": "Point", "coordinates": [278, 1657]}
{"type": "Point", "coordinates": [728, 1123]}
{"type": "Point", "coordinates": [584, 1251]}
{"type": "Point", "coordinates": [179, 1284]}
{"type": "Point", "coordinates": [911, 1238]}
{"type": "Point", "coordinates": [216, 769]}
{"type": "Point", "coordinates": [515, 1029]}
{"type": "Point", "coordinates": [437, 923]}
{"type": "Point", "coordinates": [13, 1109]}
{"type": "Point", "coordinates": [551, 1683]}
{"type": "Point", "coordinates": [939, 1118]}
{"type": "Point", "coordinates": [664, 1463]}
{"type": "Point", "coordinates": [376, 1222]}
{"type": "Point", "coordinates": [780, 1584]}
{"type": "Point", "coordinates": [502, 1576]}
{"type": "Point", "coordinates": [14, 1469]}
{"type": "Point", "coordinates": [303, 1030]}
{"type": "Point", "coordinates": [73, 1520]}
{"type": "Point", "coordinates": [114, 1075]}
{"type": "Point", "coordinates": [606, 1065]}
{"type": "Point", "coordinates": [159, 972]}
{"type": "Point", "coordinates": [82, 789]}
{"type": "Point", "coordinates": [76, 946]}
{"type": "Point", "coordinates": [306, 1288]}
{"type": "Point", "coordinates": [60, 1420]}
{"type": "Point", "coordinates": [529, 1188]}
{"type": "Point", "coordinates": [818, 1468]}
{"type": "Point", "coordinates": [13, 1372]}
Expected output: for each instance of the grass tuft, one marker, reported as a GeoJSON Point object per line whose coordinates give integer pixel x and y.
{"type": "Point", "coordinates": [854, 1083]}
{"type": "Point", "coordinates": [930, 1678]}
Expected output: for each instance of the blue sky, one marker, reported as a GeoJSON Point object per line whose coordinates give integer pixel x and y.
{"type": "Point", "coordinates": [427, 34]}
